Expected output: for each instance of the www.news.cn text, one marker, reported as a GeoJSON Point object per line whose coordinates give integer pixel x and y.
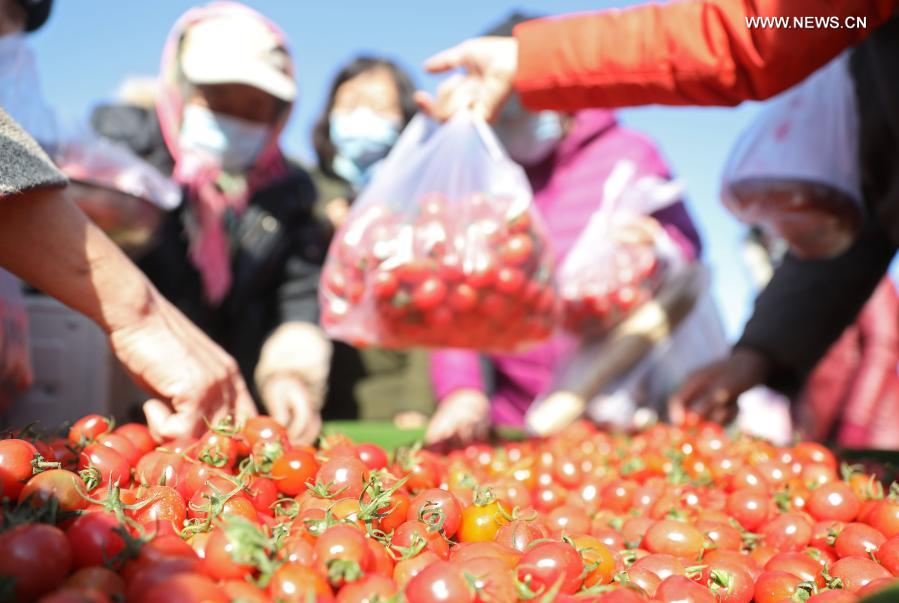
{"type": "Point", "coordinates": [812, 22]}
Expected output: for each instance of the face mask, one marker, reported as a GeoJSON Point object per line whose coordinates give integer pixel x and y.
{"type": "Point", "coordinates": [232, 143]}
{"type": "Point", "coordinates": [362, 138]}
{"type": "Point", "coordinates": [529, 138]}
{"type": "Point", "coordinates": [20, 90]}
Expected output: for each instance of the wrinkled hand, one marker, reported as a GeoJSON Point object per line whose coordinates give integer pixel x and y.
{"type": "Point", "coordinates": [288, 402]}
{"type": "Point", "coordinates": [462, 417]}
{"type": "Point", "coordinates": [490, 64]}
{"type": "Point", "coordinates": [192, 377]}
{"type": "Point", "coordinates": [711, 392]}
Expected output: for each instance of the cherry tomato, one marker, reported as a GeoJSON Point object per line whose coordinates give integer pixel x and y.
{"type": "Point", "coordinates": [64, 486]}
{"type": "Point", "coordinates": [437, 508]}
{"type": "Point", "coordinates": [369, 589]}
{"type": "Point", "coordinates": [413, 535]}
{"type": "Point", "coordinates": [16, 468]}
{"type": "Point", "coordinates": [110, 466]}
{"type": "Point", "coordinates": [517, 250]}
{"type": "Point", "coordinates": [429, 294]}
{"type": "Point", "coordinates": [884, 517]}
{"type": "Point", "coordinates": [674, 538]}
{"type": "Point", "coordinates": [440, 581]}
{"type": "Point", "coordinates": [481, 522]}
{"type": "Point", "coordinates": [100, 579]}
{"type": "Point", "coordinates": [749, 507]}
{"type": "Point", "coordinates": [888, 555]}
{"type": "Point", "coordinates": [372, 456]}
{"type": "Point", "coordinates": [292, 582]}
{"type": "Point", "coordinates": [344, 476]}
{"type": "Point", "coordinates": [775, 587]}
{"type": "Point", "coordinates": [139, 436]}
{"type": "Point", "coordinates": [38, 556]}
{"type": "Point", "coordinates": [682, 589]}
{"type": "Point", "coordinates": [858, 539]}
{"type": "Point", "coordinates": [293, 470]}
{"type": "Point", "coordinates": [518, 534]}
{"type": "Point", "coordinates": [597, 557]}
{"type": "Point", "coordinates": [547, 564]}
{"type": "Point", "coordinates": [788, 532]}
{"type": "Point", "coordinates": [856, 572]}
{"type": "Point", "coordinates": [185, 588]}
{"type": "Point", "coordinates": [96, 539]}
{"type": "Point", "coordinates": [834, 501]}
{"type": "Point", "coordinates": [263, 429]}
{"type": "Point", "coordinates": [88, 428]}
{"type": "Point", "coordinates": [158, 468]}
{"type": "Point", "coordinates": [217, 450]}
{"type": "Point", "coordinates": [224, 558]}
{"type": "Point", "coordinates": [164, 504]}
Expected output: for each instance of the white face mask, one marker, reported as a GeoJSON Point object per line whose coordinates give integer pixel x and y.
{"type": "Point", "coordinates": [232, 143]}
{"type": "Point", "coordinates": [529, 138]}
{"type": "Point", "coordinates": [20, 90]}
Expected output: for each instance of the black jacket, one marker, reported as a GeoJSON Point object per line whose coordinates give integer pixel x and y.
{"type": "Point", "coordinates": [277, 250]}
{"type": "Point", "coordinates": [808, 304]}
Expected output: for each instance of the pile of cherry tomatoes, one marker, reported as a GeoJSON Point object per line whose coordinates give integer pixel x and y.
{"type": "Point", "coordinates": [672, 514]}
{"type": "Point", "coordinates": [474, 272]}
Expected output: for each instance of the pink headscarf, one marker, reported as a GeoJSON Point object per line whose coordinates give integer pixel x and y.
{"type": "Point", "coordinates": [208, 199]}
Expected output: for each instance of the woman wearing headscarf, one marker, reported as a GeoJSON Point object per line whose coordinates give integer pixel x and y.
{"type": "Point", "coordinates": [241, 255]}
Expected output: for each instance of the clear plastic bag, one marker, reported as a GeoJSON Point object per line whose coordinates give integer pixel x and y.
{"type": "Point", "coordinates": [623, 256]}
{"type": "Point", "coordinates": [86, 157]}
{"type": "Point", "coordinates": [442, 249]}
{"type": "Point", "coordinates": [795, 171]}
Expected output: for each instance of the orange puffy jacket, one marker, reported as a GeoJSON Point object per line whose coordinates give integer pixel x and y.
{"type": "Point", "coordinates": [692, 52]}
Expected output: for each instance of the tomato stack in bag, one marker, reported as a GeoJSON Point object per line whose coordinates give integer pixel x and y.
{"type": "Point", "coordinates": [623, 257]}
{"type": "Point", "coordinates": [442, 249]}
{"type": "Point", "coordinates": [795, 171]}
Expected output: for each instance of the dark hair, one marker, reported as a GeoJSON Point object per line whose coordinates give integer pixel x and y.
{"type": "Point", "coordinates": [504, 28]}
{"type": "Point", "coordinates": [321, 133]}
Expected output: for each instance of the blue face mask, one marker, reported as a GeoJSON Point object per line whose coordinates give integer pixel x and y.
{"type": "Point", "coordinates": [362, 138]}
{"type": "Point", "coordinates": [232, 143]}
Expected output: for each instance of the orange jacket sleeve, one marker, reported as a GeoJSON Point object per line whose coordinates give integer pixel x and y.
{"type": "Point", "coordinates": [696, 52]}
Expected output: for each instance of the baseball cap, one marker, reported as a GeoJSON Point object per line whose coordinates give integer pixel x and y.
{"type": "Point", "coordinates": [36, 12]}
{"type": "Point", "coordinates": [237, 49]}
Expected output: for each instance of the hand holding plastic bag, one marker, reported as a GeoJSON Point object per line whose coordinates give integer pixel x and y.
{"type": "Point", "coordinates": [15, 350]}
{"type": "Point", "coordinates": [623, 256]}
{"type": "Point", "coordinates": [443, 249]}
{"type": "Point", "coordinates": [795, 171]}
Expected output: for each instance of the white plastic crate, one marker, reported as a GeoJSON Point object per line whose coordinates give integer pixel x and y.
{"type": "Point", "coordinates": [75, 372]}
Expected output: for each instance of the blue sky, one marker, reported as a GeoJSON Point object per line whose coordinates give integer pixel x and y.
{"type": "Point", "coordinates": [89, 46]}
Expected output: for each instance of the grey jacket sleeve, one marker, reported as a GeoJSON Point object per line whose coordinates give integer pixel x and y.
{"type": "Point", "coordinates": [23, 164]}
{"type": "Point", "coordinates": [808, 304]}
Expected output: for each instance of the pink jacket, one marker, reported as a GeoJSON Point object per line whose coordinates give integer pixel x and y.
{"type": "Point", "coordinates": [567, 190]}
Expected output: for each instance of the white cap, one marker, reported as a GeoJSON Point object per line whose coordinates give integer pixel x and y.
{"type": "Point", "coordinates": [235, 49]}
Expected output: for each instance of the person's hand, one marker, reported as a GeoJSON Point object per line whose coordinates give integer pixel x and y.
{"type": "Point", "coordinates": [410, 419]}
{"type": "Point", "coordinates": [462, 417]}
{"type": "Point", "coordinates": [289, 403]}
{"type": "Point", "coordinates": [194, 380]}
{"type": "Point", "coordinates": [711, 392]}
{"type": "Point", "coordinates": [490, 64]}
{"type": "Point", "coordinates": [336, 210]}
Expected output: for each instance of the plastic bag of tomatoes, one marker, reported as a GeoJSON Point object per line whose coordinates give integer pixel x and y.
{"type": "Point", "coordinates": [623, 256]}
{"type": "Point", "coordinates": [795, 171]}
{"type": "Point", "coordinates": [442, 249]}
